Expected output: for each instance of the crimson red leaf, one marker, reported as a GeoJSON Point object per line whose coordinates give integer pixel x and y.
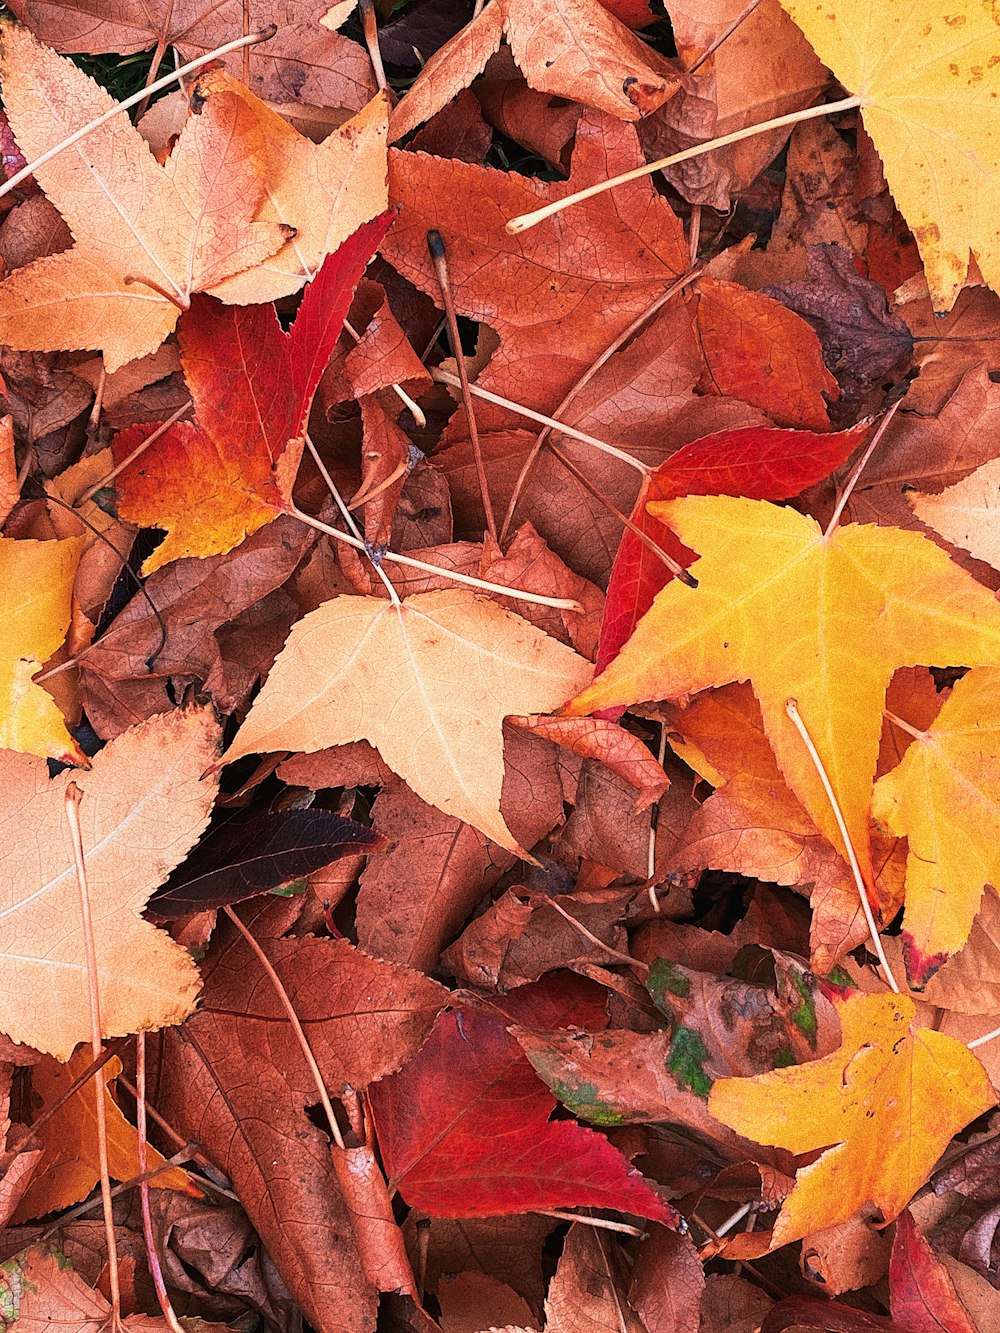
{"type": "Point", "coordinates": [464, 1128]}
{"type": "Point", "coordinates": [248, 856]}
{"type": "Point", "coordinates": [762, 463]}
{"type": "Point", "coordinates": [922, 1296]}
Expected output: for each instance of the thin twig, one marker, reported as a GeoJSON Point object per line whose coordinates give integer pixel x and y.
{"type": "Point", "coordinates": [791, 708]}
{"type": "Point", "coordinates": [369, 25]}
{"type": "Point", "coordinates": [526, 220]}
{"type": "Point", "coordinates": [73, 798]}
{"type": "Point", "coordinates": [439, 258]}
{"type": "Point", "coordinates": [446, 377]}
{"type": "Point", "coordinates": [153, 436]}
{"type": "Point", "coordinates": [263, 35]}
{"type": "Point", "coordinates": [601, 1223]}
{"type": "Point", "coordinates": [860, 466]}
{"type": "Point", "coordinates": [724, 36]}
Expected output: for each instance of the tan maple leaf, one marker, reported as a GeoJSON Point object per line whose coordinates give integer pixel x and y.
{"type": "Point", "coordinates": [147, 236]}
{"type": "Point", "coordinates": [428, 682]}
{"type": "Point", "coordinates": [144, 804]}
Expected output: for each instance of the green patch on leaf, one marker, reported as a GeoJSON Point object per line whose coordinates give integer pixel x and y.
{"type": "Point", "coordinates": [666, 978]}
{"type": "Point", "coordinates": [804, 1017]}
{"type": "Point", "coordinates": [582, 1099]}
{"type": "Point", "coordinates": [686, 1061]}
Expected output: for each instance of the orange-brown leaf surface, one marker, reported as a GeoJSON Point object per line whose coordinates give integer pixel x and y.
{"type": "Point", "coordinates": [883, 1107]}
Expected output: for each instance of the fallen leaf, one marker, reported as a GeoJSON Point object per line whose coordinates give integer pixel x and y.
{"type": "Point", "coordinates": [147, 237]}
{"type": "Point", "coordinates": [250, 856]}
{"type": "Point", "coordinates": [302, 62]}
{"type": "Point", "coordinates": [145, 802]}
{"type": "Point", "coordinates": [611, 745]}
{"type": "Point", "coordinates": [484, 1144]}
{"type": "Point", "coordinates": [584, 1293]}
{"type": "Point", "coordinates": [757, 462]}
{"type": "Point", "coordinates": [456, 664]}
{"type": "Point", "coordinates": [667, 1284]}
{"type": "Point", "coordinates": [575, 49]}
{"type": "Point", "coordinates": [965, 513]}
{"type": "Point", "coordinates": [69, 1138]}
{"type": "Point", "coordinates": [768, 579]}
{"type": "Point", "coordinates": [889, 1100]}
{"type": "Point", "coordinates": [213, 481]}
{"type": "Point", "coordinates": [941, 799]}
{"type": "Point", "coordinates": [37, 578]}
{"type": "Point", "coordinates": [922, 1295]}
{"type": "Point", "coordinates": [925, 95]}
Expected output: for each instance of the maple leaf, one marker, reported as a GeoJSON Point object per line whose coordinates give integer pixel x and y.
{"type": "Point", "coordinates": [927, 91]}
{"type": "Point", "coordinates": [144, 804]}
{"type": "Point", "coordinates": [213, 481]}
{"type": "Point", "coordinates": [823, 619]}
{"type": "Point", "coordinates": [324, 191]}
{"type": "Point", "coordinates": [428, 682]}
{"type": "Point", "coordinates": [147, 236]}
{"type": "Point", "coordinates": [942, 799]}
{"type": "Point", "coordinates": [71, 1166]}
{"type": "Point", "coordinates": [965, 514]}
{"type": "Point", "coordinates": [484, 1143]}
{"type": "Point", "coordinates": [759, 463]}
{"type": "Point", "coordinates": [570, 48]}
{"type": "Point", "coordinates": [36, 603]}
{"type": "Point", "coordinates": [888, 1101]}
{"type": "Point", "coordinates": [302, 62]}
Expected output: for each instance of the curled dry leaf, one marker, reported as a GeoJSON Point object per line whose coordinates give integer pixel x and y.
{"type": "Point", "coordinates": [145, 802]}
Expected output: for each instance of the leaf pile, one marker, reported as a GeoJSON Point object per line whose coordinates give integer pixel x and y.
{"type": "Point", "coordinates": [529, 694]}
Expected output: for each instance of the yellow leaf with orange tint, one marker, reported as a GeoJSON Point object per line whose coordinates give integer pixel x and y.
{"type": "Point", "coordinates": [36, 596]}
{"type": "Point", "coordinates": [928, 77]}
{"type": "Point", "coordinates": [824, 620]}
{"type": "Point", "coordinates": [943, 798]}
{"type": "Point", "coordinates": [883, 1107]}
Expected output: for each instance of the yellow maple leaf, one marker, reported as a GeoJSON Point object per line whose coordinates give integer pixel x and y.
{"type": "Point", "coordinates": [928, 77]}
{"type": "Point", "coordinates": [145, 802]}
{"type": "Point", "coordinates": [428, 682]}
{"type": "Point", "coordinates": [36, 600]}
{"type": "Point", "coordinates": [824, 619]}
{"type": "Point", "coordinates": [883, 1106]}
{"type": "Point", "coordinates": [147, 236]}
{"type": "Point", "coordinates": [69, 1137]}
{"type": "Point", "coordinates": [942, 798]}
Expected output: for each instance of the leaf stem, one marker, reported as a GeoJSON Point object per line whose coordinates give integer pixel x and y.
{"type": "Point", "coordinates": [791, 708]}
{"type": "Point", "coordinates": [73, 798]}
{"type": "Point", "coordinates": [152, 1257]}
{"type": "Point", "coordinates": [153, 436]}
{"type": "Point", "coordinates": [446, 377]}
{"type": "Point", "coordinates": [263, 35]}
{"type": "Point", "coordinates": [860, 466]}
{"type": "Point", "coordinates": [526, 220]}
{"type": "Point", "coordinates": [520, 594]}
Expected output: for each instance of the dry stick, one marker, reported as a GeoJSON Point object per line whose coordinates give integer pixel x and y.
{"type": "Point", "coordinates": [439, 257]}
{"type": "Point", "coordinates": [107, 1054]}
{"type": "Point", "coordinates": [370, 27]}
{"type": "Point", "coordinates": [446, 377]}
{"type": "Point", "coordinates": [602, 1223]}
{"type": "Point", "coordinates": [527, 220]}
{"type": "Point", "coordinates": [297, 1028]}
{"type": "Point", "coordinates": [73, 798]}
{"type": "Point", "coordinates": [674, 566]}
{"type": "Point", "coordinates": [152, 1257]}
{"type": "Point", "coordinates": [654, 824]}
{"type": "Point", "coordinates": [264, 35]}
{"type": "Point", "coordinates": [334, 490]}
{"type": "Point", "coordinates": [185, 1145]}
{"type": "Point", "coordinates": [161, 429]}
{"type": "Point", "coordinates": [81, 1209]}
{"type": "Point", "coordinates": [860, 466]}
{"type": "Point", "coordinates": [585, 379]}
{"type": "Point", "coordinates": [521, 594]}
{"type": "Point", "coordinates": [791, 708]}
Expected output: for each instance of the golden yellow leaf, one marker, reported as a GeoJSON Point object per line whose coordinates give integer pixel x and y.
{"type": "Point", "coordinates": [36, 596]}
{"type": "Point", "coordinates": [325, 191]}
{"type": "Point", "coordinates": [929, 82]}
{"type": "Point", "coordinates": [145, 802]}
{"type": "Point", "coordinates": [884, 1106]}
{"type": "Point", "coordinates": [428, 682]}
{"type": "Point", "coordinates": [823, 620]}
{"type": "Point", "coordinates": [966, 514]}
{"type": "Point", "coordinates": [71, 1166]}
{"type": "Point", "coordinates": [944, 798]}
{"type": "Point", "coordinates": [147, 236]}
